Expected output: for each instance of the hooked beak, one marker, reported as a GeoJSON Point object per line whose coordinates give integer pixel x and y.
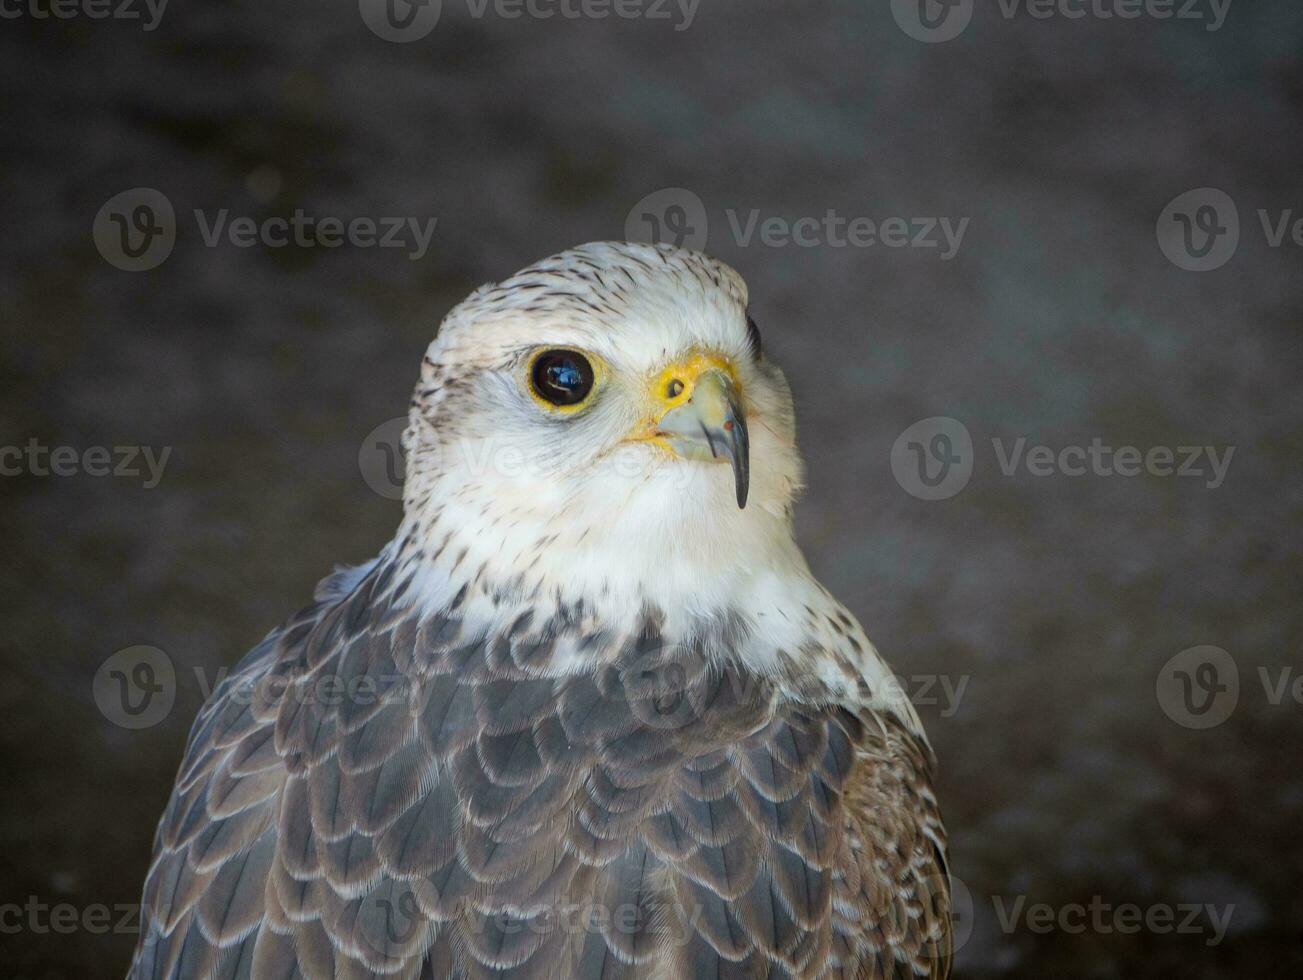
{"type": "Point", "coordinates": [706, 420]}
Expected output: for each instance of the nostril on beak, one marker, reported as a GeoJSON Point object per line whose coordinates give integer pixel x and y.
{"type": "Point", "coordinates": [711, 424]}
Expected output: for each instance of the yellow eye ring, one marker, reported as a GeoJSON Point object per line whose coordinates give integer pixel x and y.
{"type": "Point", "coordinates": [562, 379]}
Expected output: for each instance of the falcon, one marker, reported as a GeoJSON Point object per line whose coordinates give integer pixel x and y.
{"type": "Point", "coordinates": [589, 714]}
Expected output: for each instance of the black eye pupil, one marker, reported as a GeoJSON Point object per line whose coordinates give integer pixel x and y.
{"type": "Point", "coordinates": [753, 336]}
{"type": "Point", "coordinates": [562, 377]}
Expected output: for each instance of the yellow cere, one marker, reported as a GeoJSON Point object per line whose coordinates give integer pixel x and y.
{"type": "Point", "coordinates": [659, 400]}
{"type": "Point", "coordinates": [686, 370]}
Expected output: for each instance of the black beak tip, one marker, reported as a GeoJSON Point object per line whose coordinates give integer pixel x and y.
{"type": "Point", "coordinates": [741, 459]}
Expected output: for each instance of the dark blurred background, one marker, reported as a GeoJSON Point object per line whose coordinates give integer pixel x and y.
{"type": "Point", "coordinates": [1034, 618]}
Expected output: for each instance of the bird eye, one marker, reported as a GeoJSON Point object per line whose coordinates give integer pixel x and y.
{"type": "Point", "coordinates": [561, 377]}
{"type": "Point", "coordinates": [753, 336]}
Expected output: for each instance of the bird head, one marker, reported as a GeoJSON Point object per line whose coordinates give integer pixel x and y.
{"type": "Point", "coordinates": [608, 412]}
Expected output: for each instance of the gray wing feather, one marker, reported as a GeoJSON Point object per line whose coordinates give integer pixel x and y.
{"type": "Point", "coordinates": [370, 794]}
